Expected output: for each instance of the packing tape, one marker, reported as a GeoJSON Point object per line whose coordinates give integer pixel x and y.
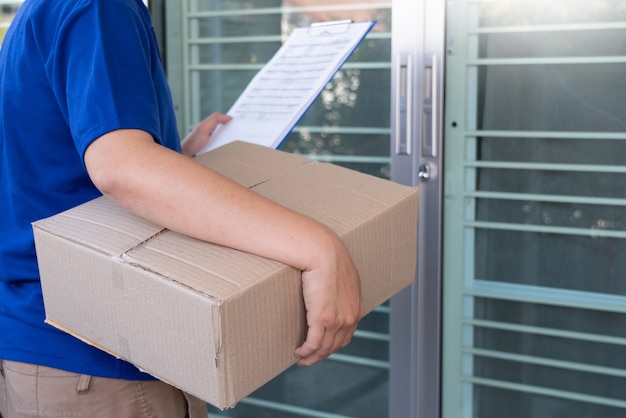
{"type": "Point", "coordinates": [117, 273]}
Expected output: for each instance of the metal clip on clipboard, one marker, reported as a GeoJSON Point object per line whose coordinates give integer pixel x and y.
{"type": "Point", "coordinates": [329, 28]}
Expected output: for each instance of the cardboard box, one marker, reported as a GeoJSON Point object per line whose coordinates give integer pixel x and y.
{"type": "Point", "coordinates": [216, 322]}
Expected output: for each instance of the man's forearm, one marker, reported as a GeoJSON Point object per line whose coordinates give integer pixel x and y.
{"type": "Point", "coordinates": [178, 193]}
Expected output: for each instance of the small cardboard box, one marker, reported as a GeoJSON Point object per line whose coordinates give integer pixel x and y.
{"type": "Point", "coordinates": [213, 321]}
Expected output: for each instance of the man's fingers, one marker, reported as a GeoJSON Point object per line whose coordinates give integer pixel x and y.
{"type": "Point", "coordinates": [321, 343]}
{"type": "Point", "coordinates": [309, 350]}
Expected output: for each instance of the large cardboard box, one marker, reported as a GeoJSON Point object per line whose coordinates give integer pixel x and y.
{"type": "Point", "coordinates": [216, 322]}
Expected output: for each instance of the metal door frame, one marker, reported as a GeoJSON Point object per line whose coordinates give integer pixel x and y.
{"type": "Point", "coordinates": [418, 54]}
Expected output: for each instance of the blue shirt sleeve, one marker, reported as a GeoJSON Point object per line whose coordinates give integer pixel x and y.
{"type": "Point", "coordinates": [112, 78]}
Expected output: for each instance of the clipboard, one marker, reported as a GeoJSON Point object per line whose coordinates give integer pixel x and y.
{"type": "Point", "coordinates": [283, 90]}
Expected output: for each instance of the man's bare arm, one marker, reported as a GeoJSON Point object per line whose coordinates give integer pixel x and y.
{"type": "Point", "coordinates": [174, 191]}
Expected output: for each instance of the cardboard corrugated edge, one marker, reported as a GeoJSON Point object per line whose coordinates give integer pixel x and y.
{"type": "Point", "coordinates": [80, 337]}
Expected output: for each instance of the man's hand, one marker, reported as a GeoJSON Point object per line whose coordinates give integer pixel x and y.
{"type": "Point", "coordinates": [201, 133]}
{"type": "Point", "coordinates": [332, 296]}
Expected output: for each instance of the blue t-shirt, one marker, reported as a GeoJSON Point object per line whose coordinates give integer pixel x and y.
{"type": "Point", "coordinates": [70, 71]}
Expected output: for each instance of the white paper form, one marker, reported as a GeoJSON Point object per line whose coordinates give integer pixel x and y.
{"type": "Point", "coordinates": [282, 91]}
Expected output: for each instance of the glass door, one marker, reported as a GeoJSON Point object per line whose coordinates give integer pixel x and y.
{"type": "Point", "coordinates": [222, 44]}
{"type": "Point", "coordinates": [214, 48]}
{"type": "Point", "coordinates": [535, 210]}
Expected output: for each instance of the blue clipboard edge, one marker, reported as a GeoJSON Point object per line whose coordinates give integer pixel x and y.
{"type": "Point", "coordinates": [279, 142]}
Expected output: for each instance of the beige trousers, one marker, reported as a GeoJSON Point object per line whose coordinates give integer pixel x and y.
{"type": "Point", "coordinates": [30, 391]}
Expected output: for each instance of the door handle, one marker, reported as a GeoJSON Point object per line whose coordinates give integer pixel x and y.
{"type": "Point", "coordinates": [430, 107]}
{"type": "Point", "coordinates": [404, 105]}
